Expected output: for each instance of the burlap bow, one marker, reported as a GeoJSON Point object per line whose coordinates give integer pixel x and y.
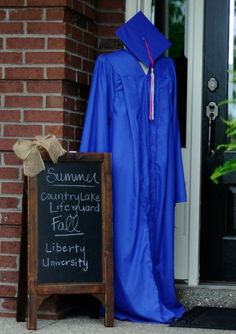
{"type": "Point", "coordinates": [29, 152]}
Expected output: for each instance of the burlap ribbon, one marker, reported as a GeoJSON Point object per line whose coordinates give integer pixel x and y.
{"type": "Point", "coordinates": [29, 152]}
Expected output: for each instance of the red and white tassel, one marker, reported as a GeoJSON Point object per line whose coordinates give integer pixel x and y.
{"type": "Point", "coordinates": [152, 83]}
{"type": "Point", "coordinates": [152, 90]}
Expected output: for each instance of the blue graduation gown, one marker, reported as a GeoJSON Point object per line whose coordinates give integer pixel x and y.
{"type": "Point", "coordinates": [147, 180]}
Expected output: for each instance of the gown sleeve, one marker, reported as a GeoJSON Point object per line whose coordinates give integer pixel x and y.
{"type": "Point", "coordinates": [95, 137]}
{"type": "Point", "coordinates": [180, 188]}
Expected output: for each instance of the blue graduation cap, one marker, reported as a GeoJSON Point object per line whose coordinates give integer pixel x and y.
{"type": "Point", "coordinates": [143, 39]}
{"type": "Point", "coordinates": [146, 43]}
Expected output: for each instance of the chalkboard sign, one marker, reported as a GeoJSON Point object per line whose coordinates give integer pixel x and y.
{"type": "Point", "coordinates": [70, 231]}
{"type": "Point", "coordinates": [70, 238]}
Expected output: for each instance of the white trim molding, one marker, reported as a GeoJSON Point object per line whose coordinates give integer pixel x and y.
{"type": "Point", "coordinates": [194, 125]}
{"type": "Point", "coordinates": [133, 6]}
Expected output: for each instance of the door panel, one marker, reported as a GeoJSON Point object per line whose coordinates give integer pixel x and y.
{"type": "Point", "coordinates": [218, 202]}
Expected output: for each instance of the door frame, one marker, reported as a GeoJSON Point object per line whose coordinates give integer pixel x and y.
{"type": "Point", "coordinates": [195, 41]}
{"type": "Point", "coordinates": [192, 152]}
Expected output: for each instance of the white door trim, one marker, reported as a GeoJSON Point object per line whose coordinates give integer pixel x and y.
{"type": "Point", "coordinates": [194, 125]}
{"type": "Point", "coordinates": [133, 6]}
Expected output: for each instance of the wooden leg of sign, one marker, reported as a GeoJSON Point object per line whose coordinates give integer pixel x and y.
{"type": "Point", "coordinates": [109, 292]}
{"type": "Point", "coordinates": [32, 311]}
{"type": "Point", "coordinates": [109, 316]}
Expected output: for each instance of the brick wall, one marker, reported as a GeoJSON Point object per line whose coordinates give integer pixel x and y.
{"type": "Point", "coordinates": [47, 53]}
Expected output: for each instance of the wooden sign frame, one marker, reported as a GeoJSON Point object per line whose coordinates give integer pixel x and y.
{"type": "Point", "coordinates": [103, 291]}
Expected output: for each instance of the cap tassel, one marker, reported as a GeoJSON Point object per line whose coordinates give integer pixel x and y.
{"type": "Point", "coordinates": [152, 84]}
{"type": "Point", "coordinates": [151, 111]}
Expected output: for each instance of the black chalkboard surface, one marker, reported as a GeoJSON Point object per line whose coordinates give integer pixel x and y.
{"type": "Point", "coordinates": [69, 220]}
{"type": "Point", "coordinates": [70, 226]}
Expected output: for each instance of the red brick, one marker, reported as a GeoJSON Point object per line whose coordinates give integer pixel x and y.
{"type": "Point", "coordinates": [69, 104]}
{"type": "Point", "coordinates": [82, 78]}
{"type": "Point", "coordinates": [83, 50]}
{"type": "Point", "coordinates": [108, 17]}
{"type": "Point", "coordinates": [78, 6]}
{"type": "Point", "coordinates": [7, 261]}
{"type": "Point", "coordinates": [69, 132]}
{"type": "Point", "coordinates": [10, 218]}
{"type": "Point", "coordinates": [12, 188]}
{"type": "Point", "coordinates": [25, 43]}
{"type": "Point", "coordinates": [70, 74]}
{"type": "Point", "coordinates": [92, 27]}
{"type": "Point", "coordinates": [61, 73]}
{"type": "Point", "coordinates": [2, 14]}
{"type": "Point", "coordinates": [10, 3]}
{"type": "Point", "coordinates": [66, 118]}
{"type": "Point", "coordinates": [46, 28]}
{"type": "Point", "coordinates": [8, 202]}
{"type": "Point", "coordinates": [114, 4]}
{"type": "Point", "coordinates": [57, 43]}
{"type": "Point", "coordinates": [56, 73]}
{"type": "Point", "coordinates": [7, 291]}
{"type": "Point", "coordinates": [76, 33]}
{"type": "Point", "coordinates": [70, 88]}
{"type": "Point", "coordinates": [55, 14]}
{"type": "Point", "coordinates": [10, 232]}
{"type": "Point", "coordinates": [81, 106]}
{"type": "Point", "coordinates": [9, 247]}
{"type": "Point", "coordinates": [22, 130]}
{"type": "Point", "coordinates": [1, 43]}
{"type": "Point", "coordinates": [9, 304]}
{"type": "Point", "coordinates": [89, 39]}
{"type": "Point", "coordinates": [23, 101]}
{"type": "Point", "coordinates": [26, 14]}
{"type": "Point", "coordinates": [9, 276]}
{"type": "Point", "coordinates": [57, 130]}
{"type": "Point", "coordinates": [45, 57]}
{"type": "Point", "coordinates": [106, 31]}
{"type": "Point", "coordinates": [73, 145]}
{"type": "Point", "coordinates": [11, 28]}
{"type": "Point", "coordinates": [43, 116]}
{"type": "Point", "coordinates": [49, 3]}
{"type": "Point", "coordinates": [9, 173]}
{"type": "Point", "coordinates": [54, 101]}
{"type": "Point", "coordinates": [11, 159]}
{"type": "Point", "coordinates": [75, 119]}
{"type": "Point", "coordinates": [24, 73]}
{"type": "Point", "coordinates": [10, 58]}
{"type": "Point", "coordinates": [89, 12]}
{"type": "Point", "coordinates": [52, 86]}
{"type": "Point", "coordinates": [7, 86]}
{"type": "Point", "coordinates": [6, 144]}
{"type": "Point", "coordinates": [71, 46]}
{"type": "Point", "coordinates": [87, 66]}
{"type": "Point", "coordinates": [75, 61]}
{"type": "Point", "coordinates": [10, 115]}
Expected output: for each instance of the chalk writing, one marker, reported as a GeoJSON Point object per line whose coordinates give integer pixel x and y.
{"type": "Point", "coordinates": [79, 262]}
{"type": "Point", "coordinates": [53, 177]}
{"type": "Point", "coordinates": [70, 236]}
{"type": "Point", "coordinates": [70, 225]}
{"type": "Point", "coordinates": [80, 197]}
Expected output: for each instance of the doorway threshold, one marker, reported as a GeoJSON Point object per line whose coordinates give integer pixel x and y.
{"type": "Point", "coordinates": [207, 294]}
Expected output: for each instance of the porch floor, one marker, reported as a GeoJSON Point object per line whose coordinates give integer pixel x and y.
{"type": "Point", "coordinates": [85, 325]}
